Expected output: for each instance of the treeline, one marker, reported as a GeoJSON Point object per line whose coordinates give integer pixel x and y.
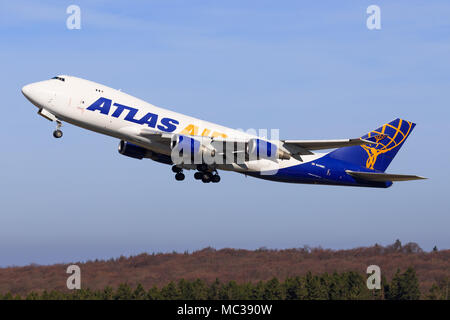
{"type": "Point", "coordinates": [228, 264]}
{"type": "Point", "coordinates": [337, 286]}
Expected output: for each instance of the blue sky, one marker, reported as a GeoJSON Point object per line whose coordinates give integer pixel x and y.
{"type": "Point", "coordinates": [313, 70]}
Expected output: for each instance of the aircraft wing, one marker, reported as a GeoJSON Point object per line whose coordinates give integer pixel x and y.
{"type": "Point", "coordinates": [156, 135]}
{"type": "Point", "coordinates": [382, 177]}
{"type": "Point", "coordinates": [326, 144]}
{"type": "Point", "coordinates": [159, 136]}
{"type": "Point", "coordinates": [302, 147]}
{"type": "Point", "coordinates": [288, 147]}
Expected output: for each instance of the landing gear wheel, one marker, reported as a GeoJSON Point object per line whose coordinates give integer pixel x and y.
{"type": "Point", "coordinates": [179, 176]}
{"type": "Point", "coordinates": [57, 134]}
{"type": "Point", "coordinates": [215, 178]}
{"type": "Point", "coordinates": [202, 167]}
{"type": "Point", "coordinates": [198, 175]}
{"type": "Point", "coordinates": [176, 169]}
{"type": "Point", "coordinates": [206, 177]}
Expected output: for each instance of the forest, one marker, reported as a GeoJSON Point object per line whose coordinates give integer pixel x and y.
{"type": "Point", "coordinates": [407, 272]}
{"type": "Point", "coordinates": [337, 286]}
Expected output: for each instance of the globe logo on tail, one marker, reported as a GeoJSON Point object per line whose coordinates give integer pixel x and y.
{"type": "Point", "coordinates": [387, 138]}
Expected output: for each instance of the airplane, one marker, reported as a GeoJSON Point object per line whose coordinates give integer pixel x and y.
{"type": "Point", "coordinates": [187, 143]}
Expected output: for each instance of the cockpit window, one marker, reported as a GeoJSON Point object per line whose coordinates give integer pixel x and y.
{"type": "Point", "coordinates": [59, 78]}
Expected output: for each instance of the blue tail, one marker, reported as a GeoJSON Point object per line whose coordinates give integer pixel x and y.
{"type": "Point", "coordinates": [389, 139]}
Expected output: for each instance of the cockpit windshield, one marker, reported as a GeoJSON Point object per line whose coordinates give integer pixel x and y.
{"type": "Point", "coordinates": [59, 78]}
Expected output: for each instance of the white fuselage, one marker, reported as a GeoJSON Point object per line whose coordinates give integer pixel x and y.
{"type": "Point", "coordinates": [68, 99]}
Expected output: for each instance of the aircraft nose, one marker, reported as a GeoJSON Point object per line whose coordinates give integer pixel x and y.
{"type": "Point", "coordinates": [27, 90]}
{"type": "Point", "coordinates": [30, 92]}
{"type": "Point", "coordinates": [38, 94]}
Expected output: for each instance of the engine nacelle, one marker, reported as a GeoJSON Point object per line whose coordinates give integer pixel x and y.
{"type": "Point", "coordinates": [262, 149]}
{"type": "Point", "coordinates": [131, 150]}
{"type": "Point", "coordinates": [190, 150]}
{"type": "Point", "coordinates": [185, 144]}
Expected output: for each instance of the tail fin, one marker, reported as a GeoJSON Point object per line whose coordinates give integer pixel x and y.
{"type": "Point", "coordinates": [389, 139]}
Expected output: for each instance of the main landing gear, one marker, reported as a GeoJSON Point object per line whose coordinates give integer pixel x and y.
{"type": "Point", "coordinates": [179, 175]}
{"type": "Point", "coordinates": [58, 133]}
{"type": "Point", "coordinates": [206, 176]}
{"type": "Point", "coordinates": [203, 175]}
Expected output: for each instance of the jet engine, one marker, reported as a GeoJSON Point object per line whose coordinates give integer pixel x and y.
{"type": "Point", "coordinates": [131, 150]}
{"type": "Point", "coordinates": [261, 149]}
{"type": "Point", "coordinates": [192, 150]}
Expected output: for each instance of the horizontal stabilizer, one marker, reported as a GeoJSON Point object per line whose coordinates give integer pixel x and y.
{"type": "Point", "coordinates": [382, 177]}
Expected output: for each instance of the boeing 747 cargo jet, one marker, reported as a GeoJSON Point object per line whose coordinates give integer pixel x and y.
{"type": "Point", "coordinates": [186, 143]}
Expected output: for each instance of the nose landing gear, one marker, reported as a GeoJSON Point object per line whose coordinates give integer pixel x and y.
{"type": "Point", "coordinates": [58, 133]}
